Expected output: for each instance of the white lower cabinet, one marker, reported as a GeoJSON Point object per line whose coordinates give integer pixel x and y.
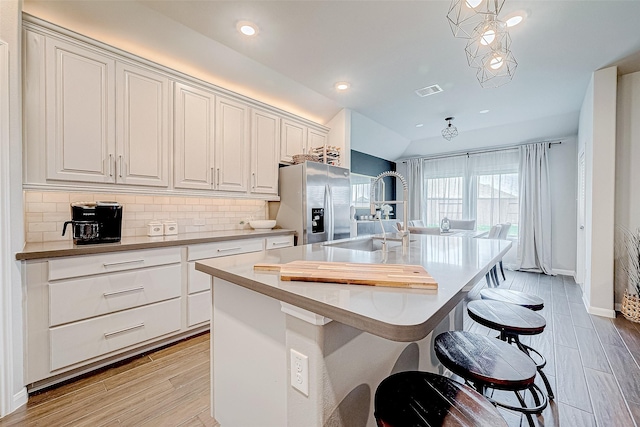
{"type": "Point", "coordinates": [199, 308]}
{"type": "Point", "coordinates": [83, 312]}
{"type": "Point", "coordinates": [86, 339]}
{"type": "Point", "coordinates": [199, 284]}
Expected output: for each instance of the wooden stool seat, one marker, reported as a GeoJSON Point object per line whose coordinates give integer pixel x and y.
{"type": "Point", "coordinates": [478, 358]}
{"type": "Point", "coordinates": [488, 363]}
{"type": "Point", "coordinates": [418, 399]}
{"type": "Point", "coordinates": [512, 321]}
{"type": "Point", "coordinates": [506, 317]}
{"type": "Point", "coordinates": [532, 302]}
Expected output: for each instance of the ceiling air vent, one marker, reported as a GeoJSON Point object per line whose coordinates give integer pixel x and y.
{"type": "Point", "coordinates": [429, 90]}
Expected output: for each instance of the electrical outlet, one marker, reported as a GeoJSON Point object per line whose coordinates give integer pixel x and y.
{"type": "Point", "coordinates": [300, 372]}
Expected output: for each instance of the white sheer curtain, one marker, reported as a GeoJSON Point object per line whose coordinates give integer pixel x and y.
{"type": "Point", "coordinates": [534, 249]}
{"type": "Point", "coordinates": [416, 190]}
{"type": "Point", "coordinates": [444, 189]}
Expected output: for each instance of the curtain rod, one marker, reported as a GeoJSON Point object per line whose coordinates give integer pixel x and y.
{"type": "Point", "coordinates": [467, 153]}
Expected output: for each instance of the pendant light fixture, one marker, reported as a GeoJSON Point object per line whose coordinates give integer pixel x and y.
{"type": "Point", "coordinates": [450, 131]}
{"type": "Point", "coordinates": [465, 15]}
{"type": "Point", "coordinates": [497, 68]}
{"type": "Point", "coordinates": [488, 35]}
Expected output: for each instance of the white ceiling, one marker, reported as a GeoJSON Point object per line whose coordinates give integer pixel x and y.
{"type": "Point", "coordinates": [387, 50]}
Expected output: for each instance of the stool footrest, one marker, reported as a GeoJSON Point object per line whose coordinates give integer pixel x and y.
{"type": "Point", "coordinates": [526, 410]}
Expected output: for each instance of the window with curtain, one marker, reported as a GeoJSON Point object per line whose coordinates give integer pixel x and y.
{"type": "Point", "coordinates": [480, 186]}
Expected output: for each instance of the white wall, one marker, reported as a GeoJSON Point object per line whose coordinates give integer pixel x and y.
{"type": "Point", "coordinates": [563, 161]}
{"type": "Point", "coordinates": [12, 392]}
{"type": "Point", "coordinates": [597, 134]}
{"type": "Point", "coordinates": [367, 134]}
{"type": "Point", "coordinates": [340, 135]}
{"type": "Point", "coordinates": [627, 205]}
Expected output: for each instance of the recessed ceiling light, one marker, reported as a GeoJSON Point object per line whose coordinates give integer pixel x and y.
{"type": "Point", "coordinates": [483, 111]}
{"type": "Point", "coordinates": [247, 28]}
{"type": "Point", "coordinates": [419, 125]}
{"type": "Point", "coordinates": [515, 18]}
{"type": "Point", "coordinates": [342, 86]}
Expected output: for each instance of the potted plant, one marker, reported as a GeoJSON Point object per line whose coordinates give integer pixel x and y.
{"type": "Point", "coordinates": [630, 265]}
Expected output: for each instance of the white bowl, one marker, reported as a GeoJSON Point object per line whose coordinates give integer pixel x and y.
{"type": "Point", "coordinates": [262, 224]}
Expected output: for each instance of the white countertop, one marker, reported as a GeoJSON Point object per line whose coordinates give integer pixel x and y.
{"type": "Point", "coordinates": [400, 314]}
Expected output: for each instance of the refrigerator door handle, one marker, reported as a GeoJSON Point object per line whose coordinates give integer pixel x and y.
{"type": "Point", "coordinates": [329, 211]}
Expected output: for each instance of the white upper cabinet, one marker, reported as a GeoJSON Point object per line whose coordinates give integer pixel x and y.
{"type": "Point", "coordinates": [80, 120]}
{"type": "Point", "coordinates": [316, 138]}
{"type": "Point", "coordinates": [194, 124]}
{"type": "Point", "coordinates": [142, 149]}
{"type": "Point", "coordinates": [298, 138]}
{"type": "Point", "coordinates": [232, 145]}
{"type": "Point", "coordinates": [293, 140]}
{"type": "Point", "coordinates": [265, 144]}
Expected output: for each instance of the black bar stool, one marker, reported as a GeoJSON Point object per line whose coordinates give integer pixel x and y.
{"type": "Point", "coordinates": [487, 363]}
{"type": "Point", "coordinates": [418, 399]}
{"type": "Point", "coordinates": [512, 321]}
{"type": "Point", "coordinates": [532, 302]}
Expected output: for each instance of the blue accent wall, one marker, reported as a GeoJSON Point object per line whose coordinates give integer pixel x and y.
{"type": "Point", "coordinates": [365, 164]}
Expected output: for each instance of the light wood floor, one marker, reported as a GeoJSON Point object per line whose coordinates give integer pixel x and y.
{"type": "Point", "coordinates": [592, 363]}
{"type": "Point", "coordinates": [168, 387]}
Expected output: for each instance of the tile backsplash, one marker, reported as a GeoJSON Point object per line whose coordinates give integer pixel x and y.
{"type": "Point", "coordinates": [46, 212]}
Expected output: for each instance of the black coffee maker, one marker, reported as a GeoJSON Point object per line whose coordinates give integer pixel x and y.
{"type": "Point", "coordinates": [95, 222]}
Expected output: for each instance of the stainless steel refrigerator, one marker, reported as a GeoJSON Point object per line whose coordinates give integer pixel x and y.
{"type": "Point", "coordinates": [315, 201]}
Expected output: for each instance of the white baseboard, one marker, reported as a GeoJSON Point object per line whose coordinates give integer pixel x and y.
{"type": "Point", "coordinates": [604, 312]}
{"type": "Point", "coordinates": [20, 399]}
{"type": "Point", "coordinates": [562, 272]}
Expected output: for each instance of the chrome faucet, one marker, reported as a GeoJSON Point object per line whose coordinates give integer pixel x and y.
{"type": "Point", "coordinates": [405, 203]}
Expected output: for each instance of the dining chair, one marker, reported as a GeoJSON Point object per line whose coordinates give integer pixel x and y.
{"type": "Point", "coordinates": [504, 231]}
{"type": "Point", "coordinates": [494, 233]}
{"type": "Point", "coordinates": [462, 224]}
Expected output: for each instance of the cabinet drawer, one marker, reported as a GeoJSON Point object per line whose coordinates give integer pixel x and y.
{"type": "Point", "coordinates": [277, 242]}
{"type": "Point", "coordinates": [86, 339]}
{"type": "Point", "coordinates": [199, 308]}
{"type": "Point", "coordinates": [198, 281]}
{"type": "Point", "coordinates": [109, 262]}
{"type": "Point", "coordinates": [229, 247]}
{"type": "Point", "coordinates": [75, 299]}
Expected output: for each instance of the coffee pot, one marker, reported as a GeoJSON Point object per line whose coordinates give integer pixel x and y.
{"type": "Point", "coordinates": [95, 222]}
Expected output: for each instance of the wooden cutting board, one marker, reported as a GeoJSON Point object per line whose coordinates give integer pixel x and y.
{"type": "Point", "coordinates": [395, 275]}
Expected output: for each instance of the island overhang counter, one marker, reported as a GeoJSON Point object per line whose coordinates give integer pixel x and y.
{"type": "Point", "coordinates": [351, 336]}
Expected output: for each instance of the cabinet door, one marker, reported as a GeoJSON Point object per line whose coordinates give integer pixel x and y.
{"type": "Point", "coordinates": [232, 145]}
{"type": "Point", "coordinates": [80, 126]}
{"type": "Point", "coordinates": [194, 137]}
{"type": "Point", "coordinates": [293, 140]}
{"type": "Point", "coordinates": [265, 144]}
{"type": "Point", "coordinates": [142, 150]}
{"type": "Point", "coordinates": [316, 139]}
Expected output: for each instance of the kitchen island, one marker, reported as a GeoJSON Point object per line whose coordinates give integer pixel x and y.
{"type": "Point", "coordinates": [266, 331]}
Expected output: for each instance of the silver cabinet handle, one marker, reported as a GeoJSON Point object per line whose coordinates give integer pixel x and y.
{"type": "Point", "coordinates": [228, 249]}
{"type": "Point", "coordinates": [120, 167]}
{"type": "Point", "coordinates": [582, 227]}
{"type": "Point", "coordinates": [111, 264]}
{"type": "Point", "coordinates": [213, 179]}
{"type": "Point", "coordinates": [218, 180]}
{"type": "Point", "coordinates": [279, 243]}
{"type": "Point", "coordinates": [253, 176]}
{"type": "Point", "coordinates": [119, 331]}
{"type": "Point", "coordinates": [124, 291]}
{"type": "Point", "coordinates": [110, 171]}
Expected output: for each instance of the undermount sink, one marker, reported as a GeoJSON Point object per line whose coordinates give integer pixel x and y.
{"type": "Point", "coordinates": [367, 244]}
